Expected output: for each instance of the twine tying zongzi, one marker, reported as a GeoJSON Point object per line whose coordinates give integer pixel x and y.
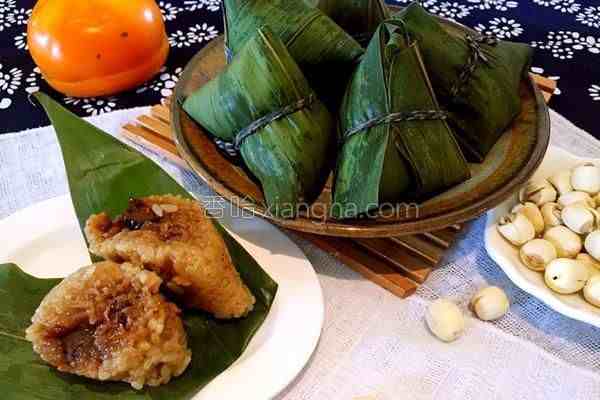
{"type": "Point", "coordinates": [422, 115]}
{"type": "Point", "coordinates": [475, 57]}
{"type": "Point", "coordinates": [267, 119]}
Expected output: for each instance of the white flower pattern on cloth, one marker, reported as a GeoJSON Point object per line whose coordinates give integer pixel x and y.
{"type": "Point", "coordinates": [164, 83]}
{"type": "Point", "coordinates": [563, 44]}
{"type": "Point", "coordinates": [7, 5]}
{"type": "Point", "coordinates": [202, 33]}
{"type": "Point", "coordinates": [179, 39]}
{"type": "Point", "coordinates": [448, 9]}
{"type": "Point", "coordinates": [20, 16]}
{"type": "Point", "coordinates": [6, 20]}
{"type": "Point", "coordinates": [210, 5]}
{"type": "Point", "coordinates": [500, 5]}
{"type": "Point", "coordinates": [564, 6]}
{"type": "Point", "coordinates": [590, 17]}
{"type": "Point", "coordinates": [31, 82]}
{"type": "Point", "coordinates": [168, 10]}
{"type": "Point", "coordinates": [93, 105]}
{"type": "Point", "coordinates": [502, 28]}
{"type": "Point", "coordinates": [196, 34]}
{"type": "Point", "coordinates": [10, 80]}
{"type": "Point", "coordinates": [21, 41]}
{"type": "Point", "coordinates": [594, 91]}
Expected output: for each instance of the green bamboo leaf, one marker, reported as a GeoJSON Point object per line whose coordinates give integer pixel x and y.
{"type": "Point", "coordinates": [490, 99]}
{"type": "Point", "coordinates": [392, 161]}
{"type": "Point", "coordinates": [289, 155]}
{"type": "Point", "coordinates": [325, 53]}
{"type": "Point", "coordinates": [103, 173]}
{"type": "Point", "coordinates": [360, 18]}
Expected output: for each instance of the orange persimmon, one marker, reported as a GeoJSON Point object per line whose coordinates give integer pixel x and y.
{"type": "Point", "coordinates": [97, 47]}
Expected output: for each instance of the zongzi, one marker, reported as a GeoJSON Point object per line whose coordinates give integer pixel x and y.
{"type": "Point", "coordinates": [396, 143]}
{"type": "Point", "coordinates": [476, 78]}
{"type": "Point", "coordinates": [262, 104]}
{"type": "Point", "coordinates": [175, 238]}
{"type": "Point", "coordinates": [360, 18]}
{"type": "Point", "coordinates": [108, 321]}
{"type": "Point", "coordinates": [325, 53]}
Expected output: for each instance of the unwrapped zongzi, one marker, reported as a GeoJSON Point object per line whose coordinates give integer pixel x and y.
{"type": "Point", "coordinates": [396, 145]}
{"type": "Point", "coordinates": [360, 18]}
{"type": "Point", "coordinates": [325, 53]}
{"type": "Point", "coordinates": [262, 104]}
{"type": "Point", "coordinates": [476, 78]}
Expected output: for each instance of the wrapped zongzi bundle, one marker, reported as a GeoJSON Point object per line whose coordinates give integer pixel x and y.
{"type": "Point", "coordinates": [476, 78]}
{"type": "Point", "coordinates": [325, 53]}
{"type": "Point", "coordinates": [396, 144]}
{"type": "Point", "coordinates": [360, 18]}
{"type": "Point", "coordinates": [262, 104]}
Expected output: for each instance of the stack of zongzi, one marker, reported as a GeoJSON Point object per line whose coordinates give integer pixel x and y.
{"type": "Point", "coordinates": [263, 105]}
{"type": "Point", "coordinates": [476, 78]}
{"type": "Point", "coordinates": [325, 53]}
{"type": "Point", "coordinates": [396, 144]}
{"type": "Point", "coordinates": [360, 18]}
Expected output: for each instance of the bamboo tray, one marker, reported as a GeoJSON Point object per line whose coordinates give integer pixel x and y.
{"type": "Point", "coordinates": [510, 164]}
{"type": "Point", "coordinates": [398, 264]}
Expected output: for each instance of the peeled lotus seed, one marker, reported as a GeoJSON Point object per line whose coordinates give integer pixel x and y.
{"type": "Point", "coordinates": [517, 229]}
{"type": "Point", "coordinates": [538, 192]}
{"type": "Point", "coordinates": [562, 181]}
{"type": "Point", "coordinates": [580, 219]}
{"type": "Point", "coordinates": [537, 253]}
{"type": "Point", "coordinates": [586, 178]}
{"type": "Point", "coordinates": [591, 291]}
{"type": "Point", "coordinates": [566, 242]}
{"type": "Point", "coordinates": [551, 214]}
{"type": "Point", "coordinates": [592, 244]}
{"type": "Point", "coordinates": [576, 198]}
{"type": "Point", "coordinates": [566, 276]}
{"type": "Point", "coordinates": [533, 214]}
{"type": "Point", "coordinates": [590, 262]}
{"type": "Point", "coordinates": [445, 320]}
{"type": "Point", "coordinates": [490, 303]}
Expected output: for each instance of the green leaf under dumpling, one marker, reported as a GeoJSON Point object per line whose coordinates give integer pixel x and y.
{"type": "Point", "coordinates": [103, 173]}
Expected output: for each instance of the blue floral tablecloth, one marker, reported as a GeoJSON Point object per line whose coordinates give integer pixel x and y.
{"type": "Point", "coordinates": [565, 33]}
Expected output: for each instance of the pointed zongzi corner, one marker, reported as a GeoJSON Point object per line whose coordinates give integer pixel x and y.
{"type": "Point", "coordinates": [360, 18]}
{"type": "Point", "coordinates": [263, 105]}
{"type": "Point", "coordinates": [396, 145]}
{"type": "Point", "coordinates": [476, 78]}
{"type": "Point", "coordinates": [325, 53]}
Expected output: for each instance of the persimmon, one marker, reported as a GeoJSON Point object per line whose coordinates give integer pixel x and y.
{"type": "Point", "coordinates": [97, 47]}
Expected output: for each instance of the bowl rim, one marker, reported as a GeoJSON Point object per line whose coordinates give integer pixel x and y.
{"type": "Point", "coordinates": [356, 228]}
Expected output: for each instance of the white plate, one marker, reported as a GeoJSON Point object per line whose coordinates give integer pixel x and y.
{"type": "Point", "coordinates": [45, 241]}
{"type": "Point", "coordinates": [507, 256]}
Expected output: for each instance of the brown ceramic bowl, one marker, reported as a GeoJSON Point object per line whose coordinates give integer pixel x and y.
{"type": "Point", "coordinates": [511, 163]}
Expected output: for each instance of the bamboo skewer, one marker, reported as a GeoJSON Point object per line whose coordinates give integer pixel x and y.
{"type": "Point", "coordinates": [398, 264]}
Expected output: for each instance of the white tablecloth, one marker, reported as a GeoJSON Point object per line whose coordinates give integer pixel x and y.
{"type": "Point", "coordinates": [374, 345]}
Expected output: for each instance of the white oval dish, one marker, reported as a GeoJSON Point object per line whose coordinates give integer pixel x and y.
{"type": "Point", "coordinates": [45, 241]}
{"type": "Point", "coordinates": [507, 255]}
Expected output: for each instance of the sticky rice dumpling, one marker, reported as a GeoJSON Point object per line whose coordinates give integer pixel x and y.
{"type": "Point", "coordinates": [175, 238]}
{"type": "Point", "coordinates": [396, 144]}
{"type": "Point", "coordinates": [360, 18]}
{"type": "Point", "coordinates": [476, 78]}
{"type": "Point", "coordinates": [262, 104]}
{"type": "Point", "coordinates": [325, 53]}
{"type": "Point", "coordinates": [108, 321]}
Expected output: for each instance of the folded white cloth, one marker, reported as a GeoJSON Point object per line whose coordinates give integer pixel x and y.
{"type": "Point", "coordinates": [374, 345]}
